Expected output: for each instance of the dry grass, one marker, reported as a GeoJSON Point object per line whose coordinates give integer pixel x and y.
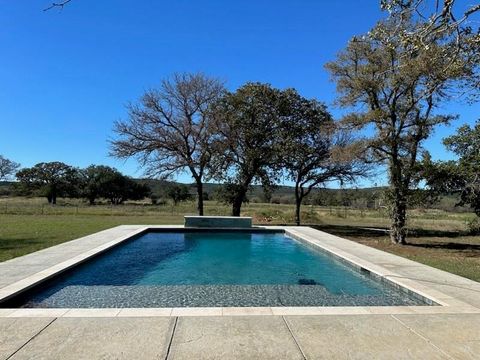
{"type": "Point", "coordinates": [451, 251]}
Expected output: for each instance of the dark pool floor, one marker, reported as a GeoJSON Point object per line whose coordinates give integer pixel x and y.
{"type": "Point", "coordinates": [210, 295]}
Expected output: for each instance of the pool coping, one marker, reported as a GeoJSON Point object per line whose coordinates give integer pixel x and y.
{"type": "Point", "coordinates": [357, 255]}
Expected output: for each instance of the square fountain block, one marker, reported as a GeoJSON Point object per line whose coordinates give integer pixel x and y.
{"type": "Point", "coordinates": [217, 222]}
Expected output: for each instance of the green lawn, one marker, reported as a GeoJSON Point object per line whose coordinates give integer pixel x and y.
{"type": "Point", "coordinates": [22, 234]}
{"type": "Point", "coordinates": [437, 238]}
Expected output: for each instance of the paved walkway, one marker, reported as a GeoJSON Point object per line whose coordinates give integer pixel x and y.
{"type": "Point", "coordinates": [243, 337]}
{"type": "Point", "coordinates": [31, 264]}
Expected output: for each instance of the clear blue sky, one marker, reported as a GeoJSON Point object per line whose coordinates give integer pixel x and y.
{"type": "Point", "coordinates": [66, 75]}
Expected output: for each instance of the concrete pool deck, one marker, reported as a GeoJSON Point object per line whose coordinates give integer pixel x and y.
{"type": "Point", "coordinates": [451, 330]}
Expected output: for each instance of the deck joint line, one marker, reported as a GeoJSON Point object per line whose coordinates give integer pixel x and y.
{"type": "Point", "coordinates": [29, 340]}
{"type": "Point", "coordinates": [171, 338]}
{"type": "Point", "coordinates": [423, 337]}
{"type": "Point", "coordinates": [294, 338]}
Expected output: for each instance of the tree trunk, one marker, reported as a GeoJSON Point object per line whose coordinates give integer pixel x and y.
{"type": "Point", "coordinates": [397, 228]}
{"type": "Point", "coordinates": [238, 201]}
{"type": "Point", "coordinates": [297, 212]}
{"type": "Point", "coordinates": [399, 205]}
{"type": "Point", "coordinates": [200, 197]}
{"type": "Point", "coordinates": [298, 204]}
{"type": "Point", "coordinates": [52, 193]}
{"type": "Point", "coordinates": [237, 205]}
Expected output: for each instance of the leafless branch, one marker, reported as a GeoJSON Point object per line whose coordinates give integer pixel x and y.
{"type": "Point", "coordinates": [59, 5]}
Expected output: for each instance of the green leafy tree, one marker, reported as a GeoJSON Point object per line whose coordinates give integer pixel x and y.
{"type": "Point", "coordinates": [458, 176]}
{"type": "Point", "coordinates": [101, 181]}
{"type": "Point", "coordinates": [313, 151]}
{"type": "Point", "coordinates": [52, 179]}
{"type": "Point", "coordinates": [123, 188]}
{"type": "Point", "coordinates": [95, 180]}
{"type": "Point", "coordinates": [396, 90]}
{"type": "Point", "coordinates": [178, 193]}
{"type": "Point", "coordinates": [247, 146]}
{"type": "Point", "coordinates": [119, 188]}
{"type": "Point", "coordinates": [227, 194]}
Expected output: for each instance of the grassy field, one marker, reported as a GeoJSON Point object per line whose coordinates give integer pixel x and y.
{"type": "Point", "coordinates": [436, 238]}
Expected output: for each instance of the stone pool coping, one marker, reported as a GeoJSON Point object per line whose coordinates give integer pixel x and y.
{"type": "Point", "coordinates": [454, 294]}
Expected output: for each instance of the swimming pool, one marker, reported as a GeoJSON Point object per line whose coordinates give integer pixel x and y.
{"type": "Point", "coordinates": [211, 268]}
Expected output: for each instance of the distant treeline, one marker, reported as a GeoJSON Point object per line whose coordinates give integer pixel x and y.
{"type": "Point", "coordinates": [160, 192]}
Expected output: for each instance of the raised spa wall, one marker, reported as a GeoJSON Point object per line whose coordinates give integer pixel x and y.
{"type": "Point", "coordinates": [217, 222]}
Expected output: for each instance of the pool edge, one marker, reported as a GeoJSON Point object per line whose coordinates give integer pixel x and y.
{"type": "Point", "coordinates": [448, 304]}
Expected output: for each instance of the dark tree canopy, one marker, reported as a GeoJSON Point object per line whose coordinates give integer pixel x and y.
{"type": "Point", "coordinates": [53, 179]}
{"type": "Point", "coordinates": [458, 176]}
{"type": "Point", "coordinates": [228, 193]}
{"type": "Point", "coordinates": [122, 188]}
{"type": "Point", "coordinates": [96, 178]}
{"type": "Point", "coordinates": [248, 127]}
{"type": "Point", "coordinates": [178, 193]}
{"type": "Point", "coordinates": [169, 130]}
{"type": "Point", "coordinates": [101, 181]}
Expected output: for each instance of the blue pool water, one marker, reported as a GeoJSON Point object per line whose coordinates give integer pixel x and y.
{"type": "Point", "coordinates": [214, 269]}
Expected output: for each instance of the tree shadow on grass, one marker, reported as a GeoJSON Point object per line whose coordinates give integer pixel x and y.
{"type": "Point", "coordinates": [17, 243]}
{"type": "Point", "coordinates": [447, 246]}
{"type": "Point", "coordinates": [352, 231]}
{"type": "Point", "coordinates": [437, 236]}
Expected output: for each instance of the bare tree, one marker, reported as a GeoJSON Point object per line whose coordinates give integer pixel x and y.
{"type": "Point", "coordinates": [450, 22]}
{"type": "Point", "coordinates": [400, 93]}
{"type": "Point", "coordinates": [170, 129]}
{"type": "Point", "coordinates": [8, 168]}
{"type": "Point", "coordinates": [436, 18]}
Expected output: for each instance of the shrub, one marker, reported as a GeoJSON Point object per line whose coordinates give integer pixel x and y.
{"type": "Point", "coordinates": [474, 226]}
